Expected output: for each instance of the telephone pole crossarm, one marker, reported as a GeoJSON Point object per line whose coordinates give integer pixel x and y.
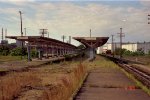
{"type": "Point", "coordinates": [43, 31]}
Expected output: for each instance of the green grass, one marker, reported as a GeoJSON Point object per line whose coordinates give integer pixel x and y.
{"type": "Point", "coordinates": [10, 58]}
{"type": "Point", "coordinates": [138, 83]}
{"type": "Point", "coordinates": [102, 62]}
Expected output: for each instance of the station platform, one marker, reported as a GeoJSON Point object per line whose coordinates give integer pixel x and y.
{"type": "Point", "coordinates": [110, 84]}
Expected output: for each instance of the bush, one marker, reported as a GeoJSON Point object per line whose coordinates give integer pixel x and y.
{"type": "Point", "coordinates": [4, 50]}
{"type": "Point", "coordinates": [149, 52]}
{"type": "Point", "coordinates": [34, 53]}
{"type": "Point", "coordinates": [129, 53]}
{"type": "Point", "coordinates": [18, 51]}
{"type": "Point", "coordinates": [118, 51]}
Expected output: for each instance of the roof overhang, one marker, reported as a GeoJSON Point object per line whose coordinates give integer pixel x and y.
{"type": "Point", "coordinates": [38, 40]}
{"type": "Point", "coordinates": [92, 42]}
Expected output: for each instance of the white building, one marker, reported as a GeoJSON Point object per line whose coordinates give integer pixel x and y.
{"type": "Point", "coordinates": [144, 46]}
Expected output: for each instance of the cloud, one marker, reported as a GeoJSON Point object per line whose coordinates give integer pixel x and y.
{"type": "Point", "coordinates": [145, 3]}
{"type": "Point", "coordinates": [74, 19]}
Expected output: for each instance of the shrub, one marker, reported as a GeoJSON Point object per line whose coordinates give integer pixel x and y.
{"type": "Point", "coordinates": [127, 52]}
{"type": "Point", "coordinates": [149, 52]}
{"type": "Point", "coordinates": [34, 53]}
{"type": "Point", "coordinates": [4, 50]}
{"type": "Point", "coordinates": [18, 51]}
{"type": "Point", "coordinates": [118, 51]}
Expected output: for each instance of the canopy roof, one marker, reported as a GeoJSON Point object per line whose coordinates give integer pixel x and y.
{"type": "Point", "coordinates": [92, 42]}
{"type": "Point", "coordinates": [39, 40]}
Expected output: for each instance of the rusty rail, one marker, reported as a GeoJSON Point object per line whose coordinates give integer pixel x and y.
{"type": "Point", "coordinates": [139, 74]}
{"type": "Point", "coordinates": [142, 76]}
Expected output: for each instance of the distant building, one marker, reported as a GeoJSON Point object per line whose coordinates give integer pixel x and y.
{"type": "Point", "coordinates": [142, 46]}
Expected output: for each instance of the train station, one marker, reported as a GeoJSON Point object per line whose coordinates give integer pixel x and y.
{"type": "Point", "coordinates": [48, 53]}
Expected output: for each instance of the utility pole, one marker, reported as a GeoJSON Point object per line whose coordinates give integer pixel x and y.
{"type": "Point", "coordinates": [5, 33]}
{"type": "Point", "coordinates": [21, 22]}
{"type": "Point", "coordinates": [121, 35]}
{"type": "Point", "coordinates": [63, 37]}
{"type": "Point", "coordinates": [43, 31]}
{"type": "Point", "coordinates": [25, 31]}
{"type": "Point", "coordinates": [148, 18]}
{"type": "Point", "coordinates": [90, 32]}
{"type": "Point", "coordinates": [48, 34]}
{"type": "Point", "coordinates": [2, 35]}
{"type": "Point", "coordinates": [112, 45]}
{"type": "Point", "coordinates": [70, 39]}
{"type": "Point", "coordinates": [21, 32]}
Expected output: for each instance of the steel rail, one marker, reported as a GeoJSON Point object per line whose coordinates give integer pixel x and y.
{"type": "Point", "coordinates": [142, 76]}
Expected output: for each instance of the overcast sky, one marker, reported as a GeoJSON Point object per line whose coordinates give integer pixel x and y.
{"type": "Point", "coordinates": [75, 18]}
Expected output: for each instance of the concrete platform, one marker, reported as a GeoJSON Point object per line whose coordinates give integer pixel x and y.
{"type": "Point", "coordinates": [110, 84]}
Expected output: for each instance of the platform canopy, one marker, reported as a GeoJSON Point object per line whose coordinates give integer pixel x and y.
{"type": "Point", "coordinates": [92, 42]}
{"type": "Point", "coordinates": [39, 40]}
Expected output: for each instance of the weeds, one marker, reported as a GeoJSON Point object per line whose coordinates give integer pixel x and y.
{"type": "Point", "coordinates": [66, 86]}
{"type": "Point", "coordinates": [12, 84]}
{"type": "Point", "coordinates": [138, 83]}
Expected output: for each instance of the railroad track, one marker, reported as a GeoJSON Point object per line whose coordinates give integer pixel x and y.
{"type": "Point", "coordinates": [139, 74]}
